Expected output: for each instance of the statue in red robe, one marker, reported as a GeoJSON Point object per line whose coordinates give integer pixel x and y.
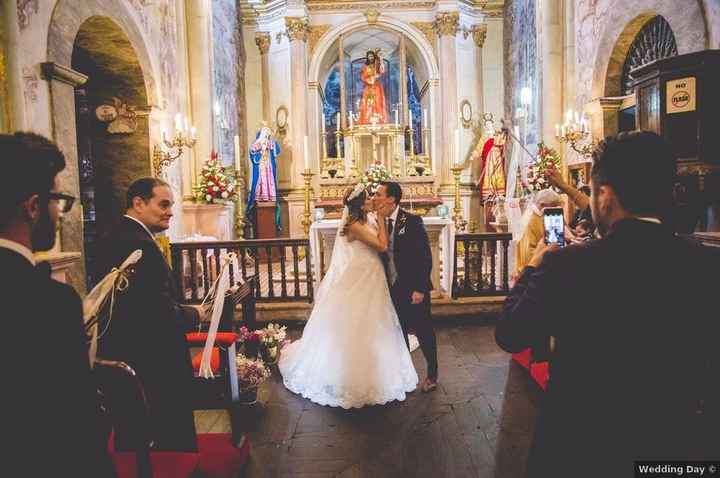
{"type": "Point", "coordinates": [372, 104]}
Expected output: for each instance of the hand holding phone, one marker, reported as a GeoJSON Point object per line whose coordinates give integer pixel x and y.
{"type": "Point", "coordinates": [554, 223]}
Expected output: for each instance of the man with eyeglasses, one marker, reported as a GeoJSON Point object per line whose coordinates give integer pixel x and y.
{"type": "Point", "coordinates": [49, 392]}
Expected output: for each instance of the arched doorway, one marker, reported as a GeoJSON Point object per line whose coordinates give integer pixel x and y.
{"type": "Point", "coordinates": [111, 124]}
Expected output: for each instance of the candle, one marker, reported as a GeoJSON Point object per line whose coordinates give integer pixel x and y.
{"type": "Point", "coordinates": [193, 132]}
{"type": "Point", "coordinates": [568, 116]}
{"type": "Point", "coordinates": [236, 141]}
{"type": "Point", "coordinates": [411, 118]}
{"type": "Point", "coordinates": [425, 122]}
{"type": "Point", "coordinates": [557, 130]}
{"type": "Point", "coordinates": [337, 121]}
{"type": "Point", "coordinates": [322, 125]}
{"type": "Point", "coordinates": [305, 153]}
{"type": "Point", "coordinates": [187, 125]}
{"type": "Point", "coordinates": [350, 118]}
{"type": "Point", "coordinates": [397, 121]}
{"type": "Point", "coordinates": [178, 122]}
{"type": "Point", "coordinates": [457, 147]}
{"type": "Point", "coordinates": [562, 131]}
{"type": "Point", "coordinates": [216, 107]}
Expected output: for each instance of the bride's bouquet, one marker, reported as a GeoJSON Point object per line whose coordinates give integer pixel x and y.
{"type": "Point", "coordinates": [546, 160]}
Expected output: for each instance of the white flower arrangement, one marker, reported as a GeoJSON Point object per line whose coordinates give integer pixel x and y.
{"type": "Point", "coordinates": [251, 372]}
{"type": "Point", "coordinates": [373, 176]}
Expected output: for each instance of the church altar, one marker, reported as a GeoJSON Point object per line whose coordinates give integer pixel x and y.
{"type": "Point", "coordinates": [440, 234]}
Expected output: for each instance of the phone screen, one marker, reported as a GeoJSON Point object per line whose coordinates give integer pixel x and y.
{"type": "Point", "coordinates": [554, 222]}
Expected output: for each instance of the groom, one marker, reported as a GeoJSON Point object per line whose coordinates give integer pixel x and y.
{"type": "Point", "coordinates": [408, 263]}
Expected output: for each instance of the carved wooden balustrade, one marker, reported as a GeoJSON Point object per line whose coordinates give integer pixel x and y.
{"type": "Point", "coordinates": [480, 265]}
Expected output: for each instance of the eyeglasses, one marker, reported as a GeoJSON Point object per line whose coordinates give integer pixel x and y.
{"type": "Point", "coordinates": [65, 201]}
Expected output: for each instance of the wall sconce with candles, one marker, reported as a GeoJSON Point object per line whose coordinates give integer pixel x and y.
{"type": "Point", "coordinates": [575, 129]}
{"type": "Point", "coordinates": [184, 137]}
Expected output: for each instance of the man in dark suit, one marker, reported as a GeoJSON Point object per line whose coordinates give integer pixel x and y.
{"type": "Point", "coordinates": [149, 323]}
{"type": "Point", "coordinates": [50, 397]}
{"type": "Point", "coordinates": [408, 264]}
{"type": "Point", "coordinates": [635, 376]}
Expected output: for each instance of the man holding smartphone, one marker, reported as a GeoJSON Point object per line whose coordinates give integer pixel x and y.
{"type": "Point", "coordinates": [608, 402]}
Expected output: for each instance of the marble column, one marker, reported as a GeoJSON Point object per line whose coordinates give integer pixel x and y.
{"type": "Point", "coordinates": [447, 25]}
{"type": "Point", "coordinates": [263, 41]}
{"type": "Point", "coordinates": [479, 34]}
{"type": "Point", "coordinates": [199, 37]}
{"type": "Point", "coordinates": [12, 73]}
{"type": "Point", "coordinates": [62, 82]}
{"type": "Point", "coordinates": [297, 32]}
{"type": "Point", "coordinates": [551, 64]}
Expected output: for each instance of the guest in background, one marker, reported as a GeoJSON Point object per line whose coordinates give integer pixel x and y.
{"type": "Point", "coordinates": [149, 322]}
{"type": "Point", "coordinates": [584, 231]}
{"type": "Point", "coordinates": [533, 227]}
{"type": "Point", "coordinates": [634, 378]}
{"type": "Point", "coordinates": [49, 387]}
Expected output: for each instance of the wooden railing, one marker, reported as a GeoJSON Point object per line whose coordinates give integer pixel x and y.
{"type": "Point", "coordinates": [480, 265]}
{"type": "Point", "coordinates": [281, 267]}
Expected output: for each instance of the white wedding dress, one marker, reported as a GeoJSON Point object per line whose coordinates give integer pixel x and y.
{"type": "Point", "coordinates": [352, 352]}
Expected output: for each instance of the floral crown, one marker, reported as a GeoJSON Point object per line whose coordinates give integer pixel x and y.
{"type": "Point", "coordinates": [359, 188]}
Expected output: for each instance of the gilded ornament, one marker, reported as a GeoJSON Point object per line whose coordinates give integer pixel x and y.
{"type": "Point", "coordinates": [372, 15]}
{"type": "Point", "coordinates": [297, 28]}
{"type": "Point", "coordinates": [263, 40]}
{"type": "Point", "coordinates": [447, 23]}
{"type": "Point", "coordinates": [427, 29]}
{"type": "Point", "coordinates": [479, 34]}
{"type": "Point", "coordinates": [315, 34]}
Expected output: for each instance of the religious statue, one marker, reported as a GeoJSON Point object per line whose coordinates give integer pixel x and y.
{"type": "Point", "coordinates": [492, 179]}
{"type": "Point", "coordinates": [372, 104]}
{"type": "Point", "coordinates": [263, 153]}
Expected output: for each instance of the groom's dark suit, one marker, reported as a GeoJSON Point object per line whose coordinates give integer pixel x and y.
{"type": "Point", "coordinates": [410, 250]}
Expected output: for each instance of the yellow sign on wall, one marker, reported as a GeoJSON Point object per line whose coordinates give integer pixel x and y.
{"type": "Point", "coordinates": [681, 96]}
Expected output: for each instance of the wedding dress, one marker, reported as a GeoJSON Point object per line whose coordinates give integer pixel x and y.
{"type": "Point", "coordinates": [352, 352]}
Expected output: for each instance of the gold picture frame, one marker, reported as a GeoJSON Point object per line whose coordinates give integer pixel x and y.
{"type": "Point", "coordinates": [281, 120]}
{"type": "Point", "coordinates": [466, 114]}
{"type": "Point", "coordinates": [579, 174]}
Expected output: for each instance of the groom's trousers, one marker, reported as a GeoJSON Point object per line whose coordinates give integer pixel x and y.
{"type": "Point", "coordinates": [418, 318]}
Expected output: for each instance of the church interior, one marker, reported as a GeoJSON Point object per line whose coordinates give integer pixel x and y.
{"type": "Point", "coordinates": [261, 114]}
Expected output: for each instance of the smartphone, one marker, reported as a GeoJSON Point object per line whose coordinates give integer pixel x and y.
{"type": "Point", "coordinates": [554, 222]}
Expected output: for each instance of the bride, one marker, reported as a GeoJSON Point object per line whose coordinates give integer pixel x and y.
{"type": "Point", "coordinates": [352, 352]}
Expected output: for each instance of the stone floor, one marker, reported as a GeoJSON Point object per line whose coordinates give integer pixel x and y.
{"type": "Point", "coordinates": [477, 424]}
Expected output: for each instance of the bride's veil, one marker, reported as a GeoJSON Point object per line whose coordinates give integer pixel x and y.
{"type": "Point", "coordinates": [339, 259]}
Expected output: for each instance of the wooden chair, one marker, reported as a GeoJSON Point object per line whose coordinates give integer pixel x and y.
{"type": "Point", "coordinates": [222, 391]}
{"type": "Point", "coordinates": [124, 400]}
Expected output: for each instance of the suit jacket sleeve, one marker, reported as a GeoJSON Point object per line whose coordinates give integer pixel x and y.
{"type": "Point", "coordinates": [421, 255]}
{"type": "Point", "coordinates": [525, 320]}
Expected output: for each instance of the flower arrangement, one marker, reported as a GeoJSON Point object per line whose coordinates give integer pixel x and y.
{"type": "Point", "coordinates": [271, 339]}
{"type": "Point", "coordinates": [251, 372]}
{"type": "Point", "coordinates": [373, 176]}
{"type": "Point", "coordinates": [248, 336]}
{"type": "Point", "coordinates": [547, 159]}
{"type": "Point", "coordinates": [215, 186]}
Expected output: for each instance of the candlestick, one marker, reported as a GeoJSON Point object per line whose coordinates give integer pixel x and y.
{"type": "Point", "coordinates": [308, 192]}
{"type": "Point", "coordinates": [337, 121]}
{"type": "Point", "coordinates": [305, 153]}
{"type": "Point", "coordinates": [239, 192]}
{"type": "Point", "coordinates": [236, 144]}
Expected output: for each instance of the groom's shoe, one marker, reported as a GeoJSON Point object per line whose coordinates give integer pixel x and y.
{"type": "Point", "coordinates": [429, 385]}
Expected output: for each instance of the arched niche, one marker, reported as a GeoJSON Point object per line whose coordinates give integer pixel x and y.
{"type": "Point", "coordinates": [66, 22]}
{"type": "Point", "coordinates": [621, 27]}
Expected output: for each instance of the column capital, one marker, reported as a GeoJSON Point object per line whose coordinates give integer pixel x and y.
{"type": "Point", "coordinates": [297, 28]}
{"type": "Point", "coordinates": [479, 34]}
{"type": "Point", "coordinates": [262, 40]}
{"type": "Point", "coordinates": [53, 71]}
{"type": "Point", "coordinates": [447, 23]}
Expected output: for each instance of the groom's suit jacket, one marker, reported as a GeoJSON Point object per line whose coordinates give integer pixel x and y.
{"type": "Point", "coordinates": [412, 255]}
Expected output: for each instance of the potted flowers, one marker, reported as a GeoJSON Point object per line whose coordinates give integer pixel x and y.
{"type": "Point", "coordinates": [251, 341]}
{"type": "Point", "coordinates": [271, 339]}
{"type": "Point", "coordinates": [251, 373]}
{"type": "Point", "coordinates": [374, 175]}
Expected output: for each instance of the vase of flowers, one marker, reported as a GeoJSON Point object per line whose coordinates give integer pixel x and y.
{"type": "Point", "coordinates": [373, 176]}
{"type": "Point", "coordinates": [271, 340]}
{"type": "Point", "coordinates": [251, 373]}
{"type": "Point", "coordinates": [251, 341]}
{"type": "Point", "coordinates": [215, 186]}
{"type": "Point", "coordinates": [546, 160]}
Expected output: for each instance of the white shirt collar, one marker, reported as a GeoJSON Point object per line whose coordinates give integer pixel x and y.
{"type": "Point", "coordinates": [394, 214]}
{"type": "Point", "coordinates": [143, 226]}
{"type": "Point", "coordinates": [19, 248]}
